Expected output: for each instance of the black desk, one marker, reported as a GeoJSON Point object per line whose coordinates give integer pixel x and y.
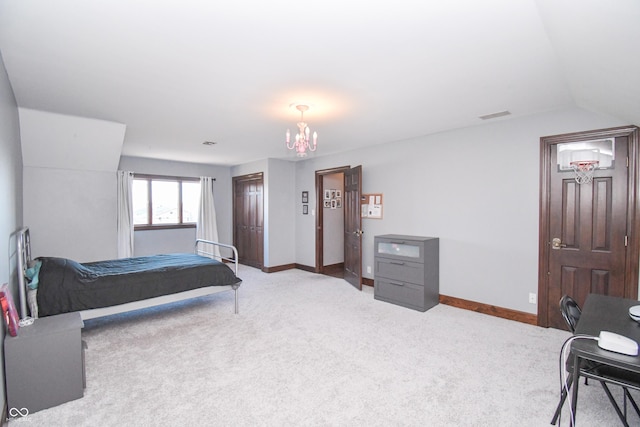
{"type": "Point", "coordinates": [604, 313]}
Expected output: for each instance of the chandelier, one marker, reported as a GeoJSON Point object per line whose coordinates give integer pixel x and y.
{"type": "Point", "coordinates": [302, 144]}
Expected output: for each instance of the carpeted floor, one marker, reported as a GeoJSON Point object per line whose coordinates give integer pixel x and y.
{"type": "Point", "coordinates": [310, 350]}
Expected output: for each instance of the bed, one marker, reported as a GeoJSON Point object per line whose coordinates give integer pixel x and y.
{"type": "Point", "coordinates": [50, 285]}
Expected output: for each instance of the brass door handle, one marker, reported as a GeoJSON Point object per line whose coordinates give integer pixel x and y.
{"type": "Point", "coordinates": [556, 243]}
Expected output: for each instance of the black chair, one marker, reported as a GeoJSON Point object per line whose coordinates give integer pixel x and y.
{"type": "Point", "coordinates": [602, 373]}
{"type": "Point", "coordinates": [570, 311]}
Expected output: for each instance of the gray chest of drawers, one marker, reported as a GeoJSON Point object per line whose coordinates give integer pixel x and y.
{"type": "Point", "coordinates": [44, 364]}
{"type": "Point", "coordinates": [407, 270]}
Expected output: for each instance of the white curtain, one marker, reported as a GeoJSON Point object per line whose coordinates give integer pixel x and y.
{"type": "Point", "coordinates": [207, 228]}
{"type": "Point", "coordinates": [125, 214]}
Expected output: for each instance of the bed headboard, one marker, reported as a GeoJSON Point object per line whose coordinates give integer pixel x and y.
{"type": "Point", "coordinates": [23, 246]}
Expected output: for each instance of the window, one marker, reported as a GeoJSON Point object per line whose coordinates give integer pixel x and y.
{"type": "Point", "coordinates": [165, 202]}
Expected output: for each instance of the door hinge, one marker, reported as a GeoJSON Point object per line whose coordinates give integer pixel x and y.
{"type": "Point", "coordinates": [627, 161]}
{"type": "Point", "coordinates": [626, 240]}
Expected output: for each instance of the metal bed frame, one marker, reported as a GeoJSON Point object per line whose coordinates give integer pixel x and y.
{"type": "Point", "coordinates": [23, 242]}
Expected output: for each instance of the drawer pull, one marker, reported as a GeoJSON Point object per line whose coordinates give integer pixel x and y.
{"type": "Point", "coordinates": [396, 263]}
{"type": "Point", "coordinates": [396, 284]}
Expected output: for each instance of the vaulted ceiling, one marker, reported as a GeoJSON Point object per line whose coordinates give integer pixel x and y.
{"type": "Point", "coordinates": [178, 73]}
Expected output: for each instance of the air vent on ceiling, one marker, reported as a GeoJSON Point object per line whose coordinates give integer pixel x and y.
{"type": "Point", "coordinates": [495, 115]}
{"type": "Point", "coordinates": [209, 143]}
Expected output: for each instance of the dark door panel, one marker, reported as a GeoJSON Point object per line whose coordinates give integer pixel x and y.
{"type": "Point", "coordinates": [585, 227]}
{"type": "Point", "coordinates": [248, 218]}
{"type": "Point", "coordinates": [353, 227]}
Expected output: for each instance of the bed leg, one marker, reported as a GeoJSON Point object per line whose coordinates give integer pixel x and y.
{"type": "Point", "coordinates": [235, 294]}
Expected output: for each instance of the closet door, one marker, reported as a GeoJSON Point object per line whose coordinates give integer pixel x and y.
{"type": "Point", "coordinates": [248, 219]}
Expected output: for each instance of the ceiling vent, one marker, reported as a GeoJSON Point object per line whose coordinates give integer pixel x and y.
{"type": "Point", "coordinates": [495, 115]}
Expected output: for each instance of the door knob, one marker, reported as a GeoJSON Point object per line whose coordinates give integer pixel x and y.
{"type": "Point", "coordinates": [556, 243]}
{"type": "Point", "coordinates": [358, 232]}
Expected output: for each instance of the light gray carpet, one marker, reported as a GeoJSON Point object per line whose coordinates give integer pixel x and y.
{"type": "Point", "coordinates": [308, 349]}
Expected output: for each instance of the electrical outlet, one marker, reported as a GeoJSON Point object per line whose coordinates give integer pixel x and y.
{"type": "Point", "coordinates": [533, 298]}
{"type": "Point", "coordinates": [368, 269]}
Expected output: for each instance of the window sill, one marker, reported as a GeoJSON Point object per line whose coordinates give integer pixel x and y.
{"type": "Point", "coordinates": [162, 227]}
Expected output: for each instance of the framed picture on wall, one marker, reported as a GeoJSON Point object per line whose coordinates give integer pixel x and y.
{"type": "Point", "coordinates": [327, 194]}
{"type": "Point", "coordinates": [305, 197]}
{"type": "Point", "coordinates": [305, 209]}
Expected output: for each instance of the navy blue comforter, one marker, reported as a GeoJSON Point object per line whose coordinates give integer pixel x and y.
{"type": "Point", "coordinates": [66, 285]}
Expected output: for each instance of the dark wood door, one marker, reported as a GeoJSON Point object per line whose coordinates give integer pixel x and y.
{"type": "Point", "coordinates": [585, 246]}
{"type": "Point", "coordinates": [353, 227]}
{"type": "Point", "coordinates": [248, 219]}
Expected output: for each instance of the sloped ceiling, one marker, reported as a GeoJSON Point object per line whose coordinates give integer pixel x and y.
{"type": "Point", "coordinates": [178, 73]}
{"type": "Point", "coordinates": [58, 141]}
{"type": "Point", "coordinates": [597, 45]}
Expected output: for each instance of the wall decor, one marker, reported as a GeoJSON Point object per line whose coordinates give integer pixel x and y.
{"type": "Point", "coordinates": [332, 199]}
{"type": "Point", "coordinates": [371, 205]}
{"type": "Point", "coordinates": [305, 209]}
{"type": "Point", "coordinates": [305, 197]}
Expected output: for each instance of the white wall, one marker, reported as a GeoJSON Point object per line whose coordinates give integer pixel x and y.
{"type": "Point", "coordinates": [282, 205]}
{"type": "Point", "coordinates": [150, 242]}
{"type": "Point", "coordinates": [69, 184]}
{"type": "Point", "coordinates": [71, 213]}
{"type": "Point", "coordinates": [169, 241]}
{"type": "Point", "coordinates": [477, 189]}
{"type": "Point", "coordinates": [10, 192]}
